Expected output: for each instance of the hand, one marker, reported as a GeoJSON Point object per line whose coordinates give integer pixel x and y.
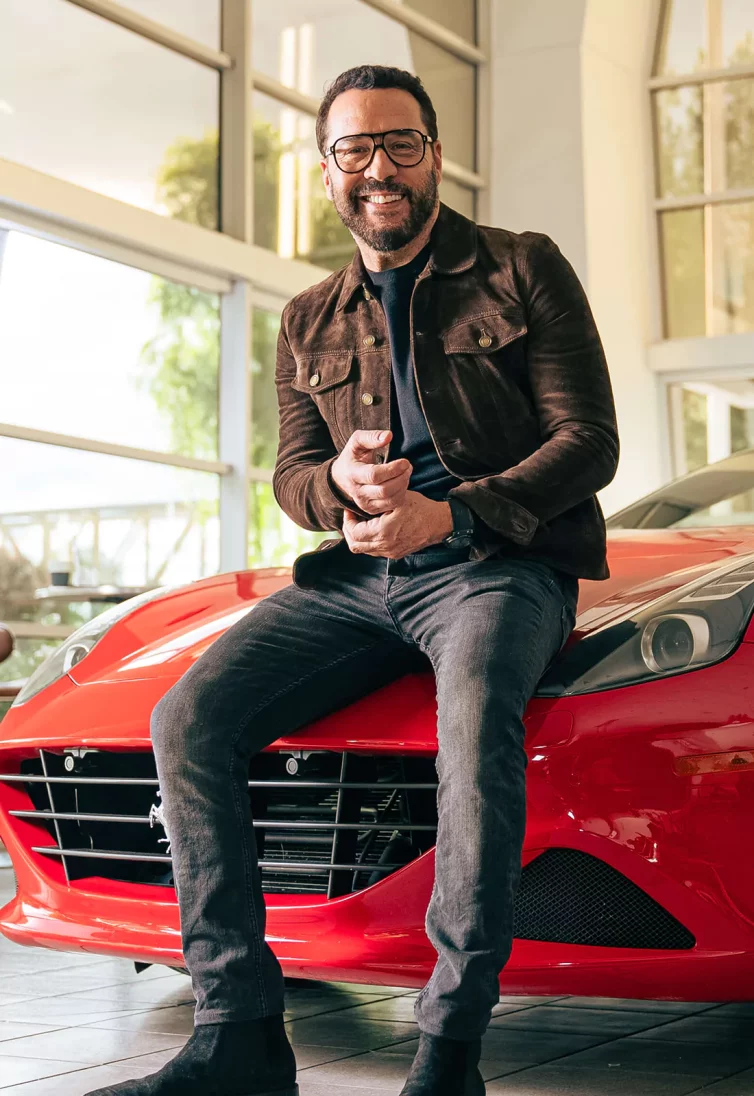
{"type": "Point", "coordinates": [416, 524]}
{"type": "Point", "coordinates": [375, 488]}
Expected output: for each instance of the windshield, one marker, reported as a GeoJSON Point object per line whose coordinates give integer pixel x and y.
{"type": "Point", "coordinates": [718, 494]}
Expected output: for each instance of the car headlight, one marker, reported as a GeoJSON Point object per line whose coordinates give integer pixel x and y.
{"type": "Point", "coordinates": [79, 644]}
{"type": "Point", "coordinates": [700, 623]}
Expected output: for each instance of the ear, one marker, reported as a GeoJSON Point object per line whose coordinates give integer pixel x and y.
{"type": "Point", "coordinates": [326, 178]}
{"type": "Point", "coordinates": [437, 154]}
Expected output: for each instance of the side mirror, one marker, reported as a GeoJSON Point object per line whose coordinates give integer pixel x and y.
{"type": "Point", "coordinates": [7, 642]}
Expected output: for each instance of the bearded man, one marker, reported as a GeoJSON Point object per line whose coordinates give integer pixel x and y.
{"type": "Point", "coordinates": [444, 401]}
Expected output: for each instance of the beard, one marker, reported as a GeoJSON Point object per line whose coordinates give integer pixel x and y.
{"type": "Point", "coordinates": [421, 205]}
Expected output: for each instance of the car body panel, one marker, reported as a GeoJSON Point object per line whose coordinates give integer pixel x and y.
{"type": "Point", "coordinates": [602, 779]}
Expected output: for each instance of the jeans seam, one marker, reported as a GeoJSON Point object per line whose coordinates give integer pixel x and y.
{"type": "Point", "coordinates": [254, 921]}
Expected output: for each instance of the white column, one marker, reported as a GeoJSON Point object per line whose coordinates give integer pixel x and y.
{"type": "Point", "coordinates": [571, 157]}
{"type": "Point", "coordinates": [236, 204]}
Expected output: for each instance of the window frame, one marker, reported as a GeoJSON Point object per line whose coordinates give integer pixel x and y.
{"type": "Point", "coordinates": [227, 261]}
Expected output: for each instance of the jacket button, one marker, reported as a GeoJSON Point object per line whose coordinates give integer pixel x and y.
{"type": "Point", "coordinates": [369, 340]}
{"type": "Point", "coordinates": [367, 295]}
{"type": "Point", "coordinates": [367, 398]}
{"type": "Point", "coordinates": [485, 341]}
{"type": "Point", "coordinates": [314, 380]}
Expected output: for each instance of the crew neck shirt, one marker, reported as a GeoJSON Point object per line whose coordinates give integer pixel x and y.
{"type": "Point", "coordinates": [411, 437]}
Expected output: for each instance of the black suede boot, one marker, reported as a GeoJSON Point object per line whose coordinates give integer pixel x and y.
{"type": "Point", "coordinates": [247, 1058]}
{"type": "Point", "coordinates": [445, 1067]}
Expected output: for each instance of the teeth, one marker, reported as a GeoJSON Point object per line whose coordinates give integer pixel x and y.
{"type": "Point", "coordinates": [381, 199]}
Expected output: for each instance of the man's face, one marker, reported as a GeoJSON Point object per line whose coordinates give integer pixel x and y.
{"type": "Point", "coordinates": [390, 225]}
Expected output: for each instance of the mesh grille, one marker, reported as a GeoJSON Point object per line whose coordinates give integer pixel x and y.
{"type": "Point", "coordinates": [569, 897]}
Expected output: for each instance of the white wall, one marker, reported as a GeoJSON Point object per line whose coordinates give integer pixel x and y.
{"type": "Point", "coordinates": [571, 156]}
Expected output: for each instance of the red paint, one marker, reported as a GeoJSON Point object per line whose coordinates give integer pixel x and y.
{"type": "Point", "coordinates": [603, 778]}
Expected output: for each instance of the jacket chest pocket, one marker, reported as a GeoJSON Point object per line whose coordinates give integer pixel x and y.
{"type": "Point", "coordinates": [486, 368]}
{"type": "Point", "coordinates": [327, 378]}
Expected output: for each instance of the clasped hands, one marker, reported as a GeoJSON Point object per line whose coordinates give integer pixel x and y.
{"type": "Point", "coordinates": [405, 521]}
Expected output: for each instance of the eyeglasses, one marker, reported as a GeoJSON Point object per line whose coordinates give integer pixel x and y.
{"type": "Point", "coordinates": [405, 147]}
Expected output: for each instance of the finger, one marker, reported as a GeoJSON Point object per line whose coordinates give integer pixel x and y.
{"type": "Point", "coordinates": [382, 473]}
{"type": "Point", "coordinates": [363, 442]}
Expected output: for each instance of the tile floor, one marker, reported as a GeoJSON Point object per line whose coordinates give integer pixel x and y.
{"type": "Point", "coordinates": [72, 1023]}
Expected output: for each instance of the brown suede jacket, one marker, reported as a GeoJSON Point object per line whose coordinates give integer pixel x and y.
{"type": "Point", "coordinates": [511, 376]}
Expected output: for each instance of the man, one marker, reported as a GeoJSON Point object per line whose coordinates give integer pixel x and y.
{"type": "Point", "coordinates": [444, 400]}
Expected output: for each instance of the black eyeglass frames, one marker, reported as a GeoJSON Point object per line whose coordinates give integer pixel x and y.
{"type": "Point", "coordinates": [354, 153]}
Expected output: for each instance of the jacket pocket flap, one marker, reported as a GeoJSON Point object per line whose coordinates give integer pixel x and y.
{"type": "Point", "coordinates": [317, 373]}
{"type": "Point", "coordinates": [482, 334]}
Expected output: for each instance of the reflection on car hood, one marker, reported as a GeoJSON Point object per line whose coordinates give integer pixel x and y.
{"type": "Point", "coordinates": [165, 637]}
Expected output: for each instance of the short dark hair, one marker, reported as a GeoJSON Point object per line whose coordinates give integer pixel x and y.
{"type": "Point", "coordinates": [367, 78]}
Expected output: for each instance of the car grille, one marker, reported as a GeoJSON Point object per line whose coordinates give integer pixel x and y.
{"type": "Point", "coordinates": [325, 822]}
{"type": "Point", "coordinates": [569, 897]}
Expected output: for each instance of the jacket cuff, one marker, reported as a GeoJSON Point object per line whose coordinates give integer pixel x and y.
{"type": "Point", "coordinates": [505, 516]}
{"type": "Point", "coordinates": [331, 499]}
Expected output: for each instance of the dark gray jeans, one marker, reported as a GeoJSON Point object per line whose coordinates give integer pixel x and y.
{"type": "Point", "coordinates": [489, 628]}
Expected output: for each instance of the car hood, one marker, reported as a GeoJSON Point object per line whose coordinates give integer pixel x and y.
{"type": "Point", "coordinates": [165, 637]}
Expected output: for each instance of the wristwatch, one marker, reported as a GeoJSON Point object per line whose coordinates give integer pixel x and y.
{"type": "Point", "coordinates": [462, 535]}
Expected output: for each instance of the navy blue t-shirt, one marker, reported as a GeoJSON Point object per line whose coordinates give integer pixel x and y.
{"type": "Point", "coordinates": [411, 437]}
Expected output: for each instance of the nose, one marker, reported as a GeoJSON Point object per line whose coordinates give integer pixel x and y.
{"type": "Point", "coordinates": [381, 167]}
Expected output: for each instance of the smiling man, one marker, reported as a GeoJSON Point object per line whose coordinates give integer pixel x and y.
{"type": "Point", "coordinates": [444, 401]}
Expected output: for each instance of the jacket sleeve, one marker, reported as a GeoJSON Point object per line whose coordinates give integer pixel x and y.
{"type": "Point", "coordinates": [573, 400]}
{"type": "Point", "coordinates": [301, 482]}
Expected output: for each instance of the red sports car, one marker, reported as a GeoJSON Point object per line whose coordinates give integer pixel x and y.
{"type": "Point", "coordinates": [637, 878]}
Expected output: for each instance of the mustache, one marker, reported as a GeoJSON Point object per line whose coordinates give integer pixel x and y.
{"type": "Point", "coordinates": [382, 188]}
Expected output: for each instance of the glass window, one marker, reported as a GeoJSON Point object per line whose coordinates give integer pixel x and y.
{"type": "Point", "coordinates": [730, 240]}
{"type": "Point", "coordinates": [683, 40]}
{"type": "Point", "coordinates": [737, 32]}
{"type": "Point", "coordinates": [457, 15]}
{"type": "Point", "coordinates": [682, 234]}
{"type": "Point", "coordinates": [292, 213]}
{"type": "Point", "coordinates": [197, 19]}
{"type": "Point", "coordinates": [697, 35]}
{"type": "Point", "coordinates": [680, 164]}
{"type": "Point", "coordinates": [307, 43]}
{"type": "Point", "coordinates": [726, 110]}
{"type": "Point", "coordinates": [109, 519]}
{"type": "Point", "coordinates": [274, 540]}
{"type": "Point", "coordinates": [112, 111]}
{"type": "Point", "coordinates": [100, 350]}
{"type": "Point", "coordinates": [694, 407]}
{"type": "Point", "coordinates": [264, 408]}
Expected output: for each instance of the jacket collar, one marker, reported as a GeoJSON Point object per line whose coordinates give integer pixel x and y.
{"type": "Point", "coordinates": [453, 244]}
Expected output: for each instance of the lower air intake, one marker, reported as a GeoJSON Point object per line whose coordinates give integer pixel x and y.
{"type": "Point", "coordinates": [569, 897]}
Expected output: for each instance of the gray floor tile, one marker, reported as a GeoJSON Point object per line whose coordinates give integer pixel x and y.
{"type": "Point", "coordinates": [533, 1047]}
{"type": "Point", "coordinates": [341, 1030]}
{"type": "Point", "coordinates": [708, 1028]}
{"type": "Point", "coordinates": [734, 1008]}
{"type": "Point", "coordinates": [637, 1005]}
{"type": "Point", "coordinates": [605, 1022]}
{"type": "Point", "coordinates": [14, 1071]}
{"type": "Point", "coordinates": [740, 1085]}
{"type": "Point", "coordinates": [177, 1020]}
{"type": "Point", "coordinates": [162, 992]}
{"type": "Point", "coordinates": [394, 1008]}
{"type": "Point", "coordinates": [702, 1059]}
{"type": "Point", "coordinates": [551, 1081]}
{"type": "Point", "coordinates": [88, 1046]}
{"type": "Point", "coordinates": [50, 1010]}
{"type": "Point", "coordinates": [11, 1029]}
{"type": "Point", "coordinates": [80, 1081]}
